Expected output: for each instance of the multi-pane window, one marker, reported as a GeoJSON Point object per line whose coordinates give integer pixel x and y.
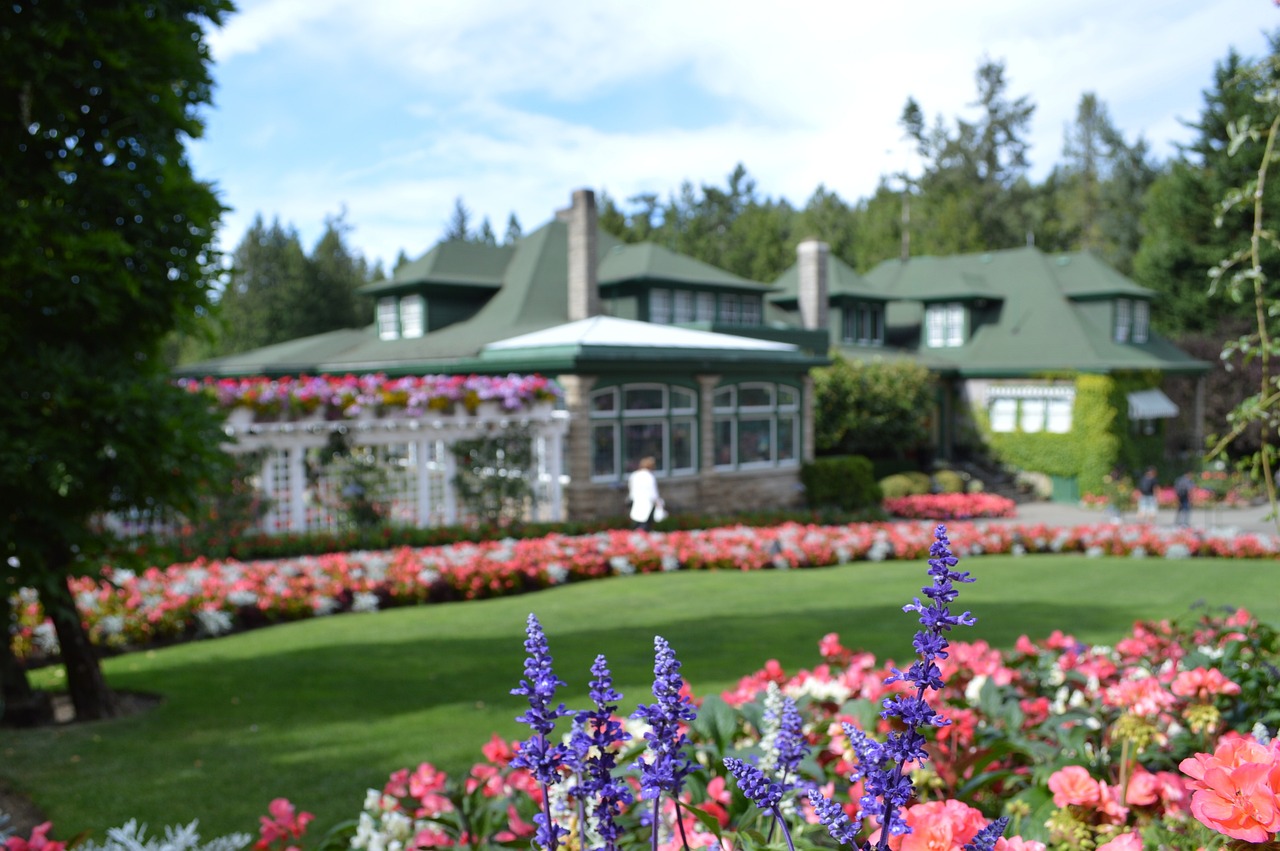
{"type": "Point", "coordinates": [1141, 320]}
{"type": "Point", "coordinates": [706, 307]}
{"type": "Point", "coordinates": [634, 421]}
{"type": "Point", "coordinates": [660, 306]}
{"type": "Point", "coordinates": [1031, 410]}
{"type": "Point", "coordinates": [750, 310]}
{"type": "Point", "coordinates": [682, 307]}
{"type": "Point", "coordinates": [388, 319]}
{"type": "Point", "coordinates": [944, 325]}
{"type": "Point", "coordinates": [756, 424]}
{"type": "Point", "coordinates": [730, 309]}
{"type": "Point", "coordinates": [412, 316]}
{"type": "Point", "coordinates": [863, 324]}
{"type": "Point", "coordinates": [1124, 320]}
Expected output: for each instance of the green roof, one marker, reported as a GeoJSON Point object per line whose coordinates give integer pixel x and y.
{"type": "Point", "coordinates": [452, 263]}
{"type": "Point", "coordinates": [649, 262]}
{"type": "Point", "coordinates": [1035, 316]}
{"type": "Point", "coordinates": [842, 283]}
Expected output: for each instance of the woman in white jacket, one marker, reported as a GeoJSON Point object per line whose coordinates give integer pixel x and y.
{"type": "Point", "coordinates": [642, 493]}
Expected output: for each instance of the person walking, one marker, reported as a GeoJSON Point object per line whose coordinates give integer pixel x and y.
{"type": "Point", "coordinates": [642, 493]}
{"type": "Point", "coordinates": [1147, 503]}
{"type": "Point", "coordinates": [1183, 487]}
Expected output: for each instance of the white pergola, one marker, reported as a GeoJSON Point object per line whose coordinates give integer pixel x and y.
{"type": "Point", "coordinates": [416, 450]}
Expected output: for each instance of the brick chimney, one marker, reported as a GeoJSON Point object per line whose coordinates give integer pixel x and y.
{"type": "Point", "coordinates": [811, 260]}
{"type": "Point", "coordinates": [584, 290]}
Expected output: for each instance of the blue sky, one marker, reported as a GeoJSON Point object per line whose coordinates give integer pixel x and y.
{"type": "Point", "coordinates": [392, 109]}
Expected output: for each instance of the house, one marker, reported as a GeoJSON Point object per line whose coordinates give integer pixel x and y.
{"type": "Point", "coordinates": [1048, 362]}
{"type": "Point", "coordinates": [658, 355]}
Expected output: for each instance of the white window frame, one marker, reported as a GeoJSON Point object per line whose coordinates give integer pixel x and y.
{"type": "Point", "coordinates": [730, 309]}
{"type": "Point", "coordinates": [682, 307]}
{"type": "Point", "coordinates": [388, 318]}
{"type": "Point", "coordinates": [413, 316]}
{"type": "Point", "coordinates": [705, 307]}
{"type": "Point", "coordinates": [1003, 415]}
{"type": "Point", "coordinates": [678, 405]}
{"type": "Point", "coordinates": [944, 325]}
{"type": "Point", "coordinates": [1141, 320]}
{"type": "Point", "coordinates": [751, 310]}
{"type": "Point", "coordinates": [1123, 320]}
{"type": "Point", "coordinates": [728, 410]}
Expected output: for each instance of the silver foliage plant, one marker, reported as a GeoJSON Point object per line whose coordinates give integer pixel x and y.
{"type": "Point", "coordinates": [133, 837]}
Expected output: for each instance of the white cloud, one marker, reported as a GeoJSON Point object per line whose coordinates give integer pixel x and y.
{"type": "Point", "coordinates": [499, 102]}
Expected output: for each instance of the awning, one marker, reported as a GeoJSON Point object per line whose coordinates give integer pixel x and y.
{"type": "Point", "coordinates": [1151, 405]}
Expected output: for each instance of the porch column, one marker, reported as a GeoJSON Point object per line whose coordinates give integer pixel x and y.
{"type": "Point", "coordinates": [706, 424]}
{"type": "Point", "coordinates": [297, 489]}
{"type": "Point", "coordinates": [577, 401]}
{"type": "Point", "coordinates": [422, 448]}
{"type": "Point", "coordinates": [554, 457]}
{"type": "Point", "coordinates": [450, 465]}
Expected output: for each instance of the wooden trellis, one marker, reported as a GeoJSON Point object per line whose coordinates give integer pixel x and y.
{"type": "Point", "coordinates": [416, 451]}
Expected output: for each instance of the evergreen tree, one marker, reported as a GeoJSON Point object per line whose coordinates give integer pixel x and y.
{"type": "Point", "coordinates": [334, 273]}
{"type": "Point", "coordinates": [513, 234]}
{"type": "Point", "coordinates": [459, 226]}
{"type": "Point", "coordinates": [1180, 241]}
{"type": "Point", "coordinates": [973, 193]}
{"type": "Point", "coordinates": [269, 279]}
{"type": "Point", "coordinates": [485, 234]}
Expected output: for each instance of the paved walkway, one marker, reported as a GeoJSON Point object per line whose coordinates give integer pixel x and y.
{"type": "Point", "coordinates": [1248, 519]}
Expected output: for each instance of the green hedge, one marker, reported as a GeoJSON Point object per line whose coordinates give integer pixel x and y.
{"type": "Point", "coordinates": [841, 481]}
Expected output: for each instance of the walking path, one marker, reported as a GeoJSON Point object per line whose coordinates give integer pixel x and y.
{"type": "Point", "coordinates": [1248, 519]}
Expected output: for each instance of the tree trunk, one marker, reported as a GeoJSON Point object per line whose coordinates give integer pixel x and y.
{"type": "Point", "coordinates": [86, 686]}
{"type": "Point", "coordinates": [20, 705]}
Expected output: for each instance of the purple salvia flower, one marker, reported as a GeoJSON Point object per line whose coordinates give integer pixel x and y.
{"type": "Point", "coordinates": [835, 819]}
{"type": "Point", "coordinates": [886, 786]}
{"type": "Point", "coordinates": [760, 790]}
{"type": "Point", "coordinates": [667, 764]}
{"type": "Point", "coordinates": [537, 754]}
{"type": "Point", "coordinates": [597, 736]}
{"type": "Point", "coordinates": [985, 839]}
{"type": "Point", "coordinates": [792, 745]}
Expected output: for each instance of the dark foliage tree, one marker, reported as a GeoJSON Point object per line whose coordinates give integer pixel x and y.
{"type": "Point", "coordinates": [106, 237]}
{"type": "Point", "coordinates": [1181, 242]}
{"type": "Point", "coordinates": [459, 226]}
{"type": "Point", "coordinates": [513, 232]}
{"type": "Point", "coordinates": [268, 283]}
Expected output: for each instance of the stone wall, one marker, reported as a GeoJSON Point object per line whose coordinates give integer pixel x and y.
{"type": "Point", "coordinates": [713, 493]}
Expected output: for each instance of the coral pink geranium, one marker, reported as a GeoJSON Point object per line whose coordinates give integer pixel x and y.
{"type": "Point", "coordinates": [1123, 842]}
{"type": "Point", "coordinates": [939, 826]}
{"type": "Point", "coordinates": [39, 840]}
{"type": "Point", "coordinates": [1236, 788]}
{"type": "Point", "coordinates": [1073, 785]}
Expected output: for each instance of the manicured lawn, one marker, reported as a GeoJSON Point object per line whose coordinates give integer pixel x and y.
{"type": "Point", "coordinates": [320, 710]}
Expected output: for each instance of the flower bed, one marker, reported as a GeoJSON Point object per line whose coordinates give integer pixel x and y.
{"type": "Point", "coordinates": [348, 396]}
{"type": "Point", "coordinates": [1164, 740]}
{"type": "Point", "coordinates": [124, 609]}
{"type": "Point", "coordinates": [951, 506]}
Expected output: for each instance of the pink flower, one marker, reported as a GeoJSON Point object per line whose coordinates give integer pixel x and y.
{"type": "Point", "coordinates": [1235, 789]}
{"type": "Point", "coordinates": [39, 840]}
{"type": "Point", "coordinates": [1123, 842]}
{"type": "Point", "coordinates": [1143, 789]}
{"type": "Point", "coordinates": [1017, 843]}
{"type": "Point", "coordinates": [1203, 684]}
{"type": "Point", "coordinates": [1074, 786]}
{"type": "Point", "coordinates": [939, 826]}
{"type": "Point", "coordinates": [283, 823]}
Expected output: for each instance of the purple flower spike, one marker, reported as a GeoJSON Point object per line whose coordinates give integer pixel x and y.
{"type": "Point", "coordinates": [667, 764]}
{"type": "Point", "coordinates": [759, 789]}
{"type": "Point", "coordinates": [537, 754]}
{"type": "Point", "coordinates": [597, 739]}
{"type": "Point", "coordinates": [834, 819]}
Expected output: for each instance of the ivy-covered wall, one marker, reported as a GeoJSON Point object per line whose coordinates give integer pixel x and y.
{"type": "Point", "coordinates": [1101, 437]}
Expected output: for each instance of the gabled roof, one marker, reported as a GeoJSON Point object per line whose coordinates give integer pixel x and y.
{"type": "Point", "coordinates": [1035, 321]}
{"type": "Point", "coordinates": [842, 283]}
{"type": "Point", "coordinates": [452, 263]}
{"type": "Point", "coordinates": [647, 261]}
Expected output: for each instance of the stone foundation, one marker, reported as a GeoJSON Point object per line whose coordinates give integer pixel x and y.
{"type": "Point", "coordinates": [716, 493]}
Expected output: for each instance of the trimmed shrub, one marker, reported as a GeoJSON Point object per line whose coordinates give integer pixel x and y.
{"type": "Point", "coordinates": [841, 481]}
{"type": "Point", "coordinates": [905, 484]}
{"type": "Point", "coordinates": [948, 481]}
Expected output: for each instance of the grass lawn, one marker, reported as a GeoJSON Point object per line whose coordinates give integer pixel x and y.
{"type": "Point", "coordinates": [318, 711]}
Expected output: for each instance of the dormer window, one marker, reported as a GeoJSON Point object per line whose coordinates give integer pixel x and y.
{"type": "Point", "coordinates": [944, 325]}
{"type": "Point", "coordinates": [863, 324]}
{"type": "Point", "coordinates": [412, 316]}
{"type": "Point", "coordinates": [682, 307]}
{"type": "Point", "coordinates": [1124, 320]}
{"type": "Point", "coordinates": [388, 319]}
{"type": "Point", "coordinates": [1141, 321]}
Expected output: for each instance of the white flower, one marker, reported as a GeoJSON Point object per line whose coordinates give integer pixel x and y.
{"type": "Point", "coordinates": [974, 688]}
{"type": "Point", "coordinates": [364, 601]}
{"type": "Point", "coordinates": [213, 622]}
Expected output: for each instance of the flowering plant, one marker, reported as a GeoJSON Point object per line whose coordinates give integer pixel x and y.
{"type": "Point", "coordinates": [951, 506]}
{"type": "Point", "coordinates": [347, 396]}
